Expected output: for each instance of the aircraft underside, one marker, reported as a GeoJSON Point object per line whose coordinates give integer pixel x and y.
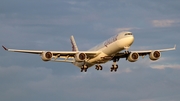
{"type": "Point", "coordinates": [85, 65]}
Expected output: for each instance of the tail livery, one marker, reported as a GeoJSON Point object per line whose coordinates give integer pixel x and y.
{"type": "Point", "coordinates": [74, 46]}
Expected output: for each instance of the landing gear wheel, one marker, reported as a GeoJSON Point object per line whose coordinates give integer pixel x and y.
{"type": "Point", "coordinates": [81, 69]}
{"type": "Point", "coordinates": [84, 68]}
{"type": "Point", "coordinates": [99, 67]}
{"type": "Point", "coordinates": [114, 68]}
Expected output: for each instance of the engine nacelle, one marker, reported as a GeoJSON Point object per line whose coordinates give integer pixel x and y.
{"type": "Point", "coordinates": [46, 56]}
{"type": "Point", "coordinates": [154, 55]}
{"type": "Point", "coordinates": [133, 57]}
{"type": "Point", "coordinates": [80, 57]}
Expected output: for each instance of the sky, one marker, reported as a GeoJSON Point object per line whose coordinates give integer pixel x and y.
{"type": "Point", "coordinates": [48, 25]}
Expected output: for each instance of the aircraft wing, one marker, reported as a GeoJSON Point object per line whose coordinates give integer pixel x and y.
{"type": "Point", "coordinates": [56, 54]}
{"type": "Point", "coordinates": [141, 53]}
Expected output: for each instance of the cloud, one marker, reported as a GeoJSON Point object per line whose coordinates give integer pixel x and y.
{"type": "Point", "coordinates": [72, 2]}
{"type": "Point", "coordinates": [48, 25]}
{"type": "Point", "coordinates": [40, 83]}
{"type": "Point", "coordinates": [164, 23]}
{"type": "Point", "coordinates": [125, 29]}
{"type": "Point", "coordinates": [80, 3]}
{"type": "Point", "coordinates": [173, 66]}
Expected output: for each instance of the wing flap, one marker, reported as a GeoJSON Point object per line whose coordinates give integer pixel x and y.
{"type": "Point", "coordinates": [73, 53]}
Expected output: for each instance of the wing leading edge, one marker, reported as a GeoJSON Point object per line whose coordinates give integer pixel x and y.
{"type": "Point", "coordinates": [142, 53]}
{"type": "Point", "coordinates": [61, 54]}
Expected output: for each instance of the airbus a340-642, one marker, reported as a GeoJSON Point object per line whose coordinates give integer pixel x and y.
{"type": "Point", "coordinates": [111, 49]}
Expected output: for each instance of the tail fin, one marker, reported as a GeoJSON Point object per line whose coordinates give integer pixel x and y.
{"type": "Point", "coordinates": [74, 46]}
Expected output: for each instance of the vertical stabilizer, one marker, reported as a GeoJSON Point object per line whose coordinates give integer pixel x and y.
{"type": "Point", "coordinates": [74, 46]}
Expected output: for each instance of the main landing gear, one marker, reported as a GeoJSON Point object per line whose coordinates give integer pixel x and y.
{"type": "Point", "coordinates": [84, 68]}
{"type": "Point", "coordinates": [114, 66]}
{"type": "Point", "coordinates": [99, 67]}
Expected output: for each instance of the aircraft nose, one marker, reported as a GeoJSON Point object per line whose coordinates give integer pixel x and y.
{"type": "Point", "coordinates": [131, 39]}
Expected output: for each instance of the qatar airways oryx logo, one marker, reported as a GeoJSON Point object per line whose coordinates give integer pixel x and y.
{"type": "Point", "coordinates": [111, 40]}
{"type": "Point", "coordinates": [73, 46]}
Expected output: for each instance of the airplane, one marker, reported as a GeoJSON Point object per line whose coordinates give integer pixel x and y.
{"type": "Point", "coordinates": [109, 50]}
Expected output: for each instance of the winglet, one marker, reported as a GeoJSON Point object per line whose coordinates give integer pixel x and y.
{"type": "Point", "coordinates": [175, 46]}
{"type": "Point", "coordinates": [5, 48]}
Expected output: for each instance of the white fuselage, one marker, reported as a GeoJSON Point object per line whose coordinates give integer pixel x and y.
{"type": "Point", "coordinates": [109, 48]}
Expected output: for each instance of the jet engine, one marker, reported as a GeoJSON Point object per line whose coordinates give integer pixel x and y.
{"type": "Point", "coordinates": [154, 55]}
{"type": "Point", "coordinates": [80, 57]}
{"type": "Point", "coordinates": [133, 57]}
{"type": "Point", "coordinates": [46, 56]}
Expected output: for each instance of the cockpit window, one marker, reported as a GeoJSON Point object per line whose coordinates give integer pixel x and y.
{"type": "Point", "coordinates": [128, 34]}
